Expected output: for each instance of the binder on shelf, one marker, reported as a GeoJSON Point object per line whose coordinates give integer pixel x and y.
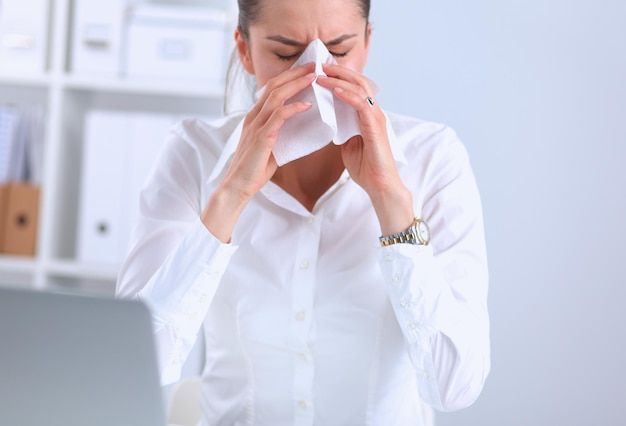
{"type": "Point", "coordinates": [175, 42]}
{"type": "Point", "coordinates": [105, 151]}
{"type": "Point", "coordinates": [21, 137]}
{"type": "Point", "coordinates": [20, 218]}
{"type": "Point", "coordinates": [97, 37]}
{"type": "Point", "coordinates": [119, 151]}
{"type": "Point", "coordinates": [8, 125]}
{"type": "Point", "coordinates": [4, 204]}
{"type": "Point", "coordinates": [21, 142]}
{"type": "Point", "coordinates": [24, 35]}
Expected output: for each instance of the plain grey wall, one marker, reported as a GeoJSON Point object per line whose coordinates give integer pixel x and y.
{"type": "Point", "coordinates": [537, 91]}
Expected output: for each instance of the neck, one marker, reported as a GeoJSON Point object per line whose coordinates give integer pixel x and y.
{"type": "Point", "coordinates": [308, 178]}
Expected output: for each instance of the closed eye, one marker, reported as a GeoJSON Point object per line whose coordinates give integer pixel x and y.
{"type": "Point", "coordinates": [295, 55]}
{"type": "Point", "coordinates": [339, 55]}
{"type": "Point", "coordinates": [288, 57]}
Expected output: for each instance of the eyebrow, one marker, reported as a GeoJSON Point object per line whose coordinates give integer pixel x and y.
{"type": "Point", "coordinates": [296, 43]}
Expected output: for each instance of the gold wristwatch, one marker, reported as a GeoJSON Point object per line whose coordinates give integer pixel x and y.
{"type": "Point", "coordinates": [418, 233]}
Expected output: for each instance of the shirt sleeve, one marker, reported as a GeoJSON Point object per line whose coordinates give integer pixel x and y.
{"type": "Point", "coordinates": [439, 292]}
{"type": "Point", "coordinates": [174, 264]}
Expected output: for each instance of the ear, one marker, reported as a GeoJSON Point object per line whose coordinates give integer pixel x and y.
{"type": "Point", "coordinates": [243, 49]}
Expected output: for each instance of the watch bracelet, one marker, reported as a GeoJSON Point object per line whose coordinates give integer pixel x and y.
{"type": "Point", "coordinates": [407, 236]}
{"type": "Point", "coordinates": [390, 240]}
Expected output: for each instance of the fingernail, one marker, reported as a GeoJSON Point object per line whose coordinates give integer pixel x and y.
{"type": "Point", "coordinates": [307, 103]}
{"type": "Point", "coordinates": [311, 75]}
{"type": "Point", "coordinates": [339, 90]}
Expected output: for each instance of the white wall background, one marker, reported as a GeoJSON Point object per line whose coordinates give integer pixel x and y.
{"type": "Point", "coordinates": [537, 91]}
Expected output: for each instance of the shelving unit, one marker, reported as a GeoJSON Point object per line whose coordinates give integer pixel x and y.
{"type": "Point", "coordinates": [67, 99]}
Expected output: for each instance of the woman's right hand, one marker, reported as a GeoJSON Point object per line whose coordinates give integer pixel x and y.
{"type": "Point", "coordinates": [253, 163]}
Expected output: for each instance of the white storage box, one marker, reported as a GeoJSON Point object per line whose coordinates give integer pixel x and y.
{"type": "Point", "coordinates": [23, 35]}
{"type": "Point", "coordinates": [176, 43]}
{"type": "Point", "coordinates": [97, 37]}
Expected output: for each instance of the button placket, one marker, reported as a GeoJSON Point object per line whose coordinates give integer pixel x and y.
{"type": "Point", "coordinates": [302, 298]}
{"type": "Point", "coordinates": [396, 279]}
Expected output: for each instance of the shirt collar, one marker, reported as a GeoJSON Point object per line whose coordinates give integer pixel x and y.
{"type": "Point", "coordinates": [233, 141]}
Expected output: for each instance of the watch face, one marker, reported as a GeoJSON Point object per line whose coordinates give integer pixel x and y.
{"type": "Point", "coordinates": [424, 231]}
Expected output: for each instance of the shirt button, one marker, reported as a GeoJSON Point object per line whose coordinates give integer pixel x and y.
{"type": "Point", "coordinates": [310, 220]}
{"type": "Point", "coordinates": [304, 265]}
{"type": "Point", "coordinates": [303, 357]}
{"type": "Point", "coordinates": [303, 404]}
{"type": "Point", "coordinates": [300, 316]}
{"type": "Point", "coordinates": [396, 279]}
{"type": "Point", "coordinates": [203, 298]}
{"type": "Point", "coordinates": [404, 303]}
{"type": "Point", "coordinates": [425, 375]}
{"type": "Point", "coordinates": [413, 325]}
{"type": "Point", "coordinates": [389, 257]}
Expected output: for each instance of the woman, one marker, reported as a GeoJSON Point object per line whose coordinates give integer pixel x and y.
{"type": "Point", "coordinates": [320, 298]}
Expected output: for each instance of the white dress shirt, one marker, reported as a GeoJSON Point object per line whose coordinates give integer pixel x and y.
{"type": "Point", "coordinates": [306, 319]}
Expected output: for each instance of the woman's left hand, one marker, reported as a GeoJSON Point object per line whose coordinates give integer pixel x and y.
{"type": "Point", "coordinates": [368, 157]}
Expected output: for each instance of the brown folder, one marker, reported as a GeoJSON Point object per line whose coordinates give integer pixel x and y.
{"type": "Point", "coordinates": [19, 213]}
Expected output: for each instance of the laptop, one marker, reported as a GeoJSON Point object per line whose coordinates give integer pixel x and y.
{"type": "Point", "coordinates": [71, 360]}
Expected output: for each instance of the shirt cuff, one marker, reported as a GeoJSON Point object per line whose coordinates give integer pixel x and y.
{"type": "Point", "coordinates": [418, 292]}
{"type": "Point", "coordinates": [424, 307]}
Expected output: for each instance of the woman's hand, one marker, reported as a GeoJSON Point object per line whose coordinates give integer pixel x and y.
{"type": "Point", "coordinates": [368, 158]}
{"type": "Point", "coordinates": [253, 163]}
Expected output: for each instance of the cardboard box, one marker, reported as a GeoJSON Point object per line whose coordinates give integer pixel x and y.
{"type": "Point", "coordinates": [21, 214]}
{"type": "Point", "coordinates": [4, 203]}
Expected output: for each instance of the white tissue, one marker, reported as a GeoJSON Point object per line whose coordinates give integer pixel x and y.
{"type": "Point", "coordinates": [329, 119]}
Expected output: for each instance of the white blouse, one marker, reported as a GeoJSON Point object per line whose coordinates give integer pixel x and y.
{"type": "Point", "coordinates": [306, 319]}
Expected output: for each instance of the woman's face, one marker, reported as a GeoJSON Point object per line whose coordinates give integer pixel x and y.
{"type": "Point", "coordinates": [286, 27]}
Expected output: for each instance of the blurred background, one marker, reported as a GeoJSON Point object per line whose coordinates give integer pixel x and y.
{"type": "Point", "coordinates": [536, 89]}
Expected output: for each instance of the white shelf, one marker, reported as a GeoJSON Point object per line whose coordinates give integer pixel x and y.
{"type": "Point", "coordinates": [17, 264]}
{"type": "Point", "coordinates": [199, 90]}
{"type": "Point", "coordinates": [67, 99]}
{"type": "Point", "coordinates": [31, 80]}
{"type": "Point", "coordinates": [73, 269]}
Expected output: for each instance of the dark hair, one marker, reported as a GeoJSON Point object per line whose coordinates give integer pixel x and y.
{"type": "Point", "coordinates": [249, 11]}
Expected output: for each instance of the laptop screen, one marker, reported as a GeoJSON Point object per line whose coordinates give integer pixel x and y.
{"type": "Point", "coordinates": [76, 360]}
